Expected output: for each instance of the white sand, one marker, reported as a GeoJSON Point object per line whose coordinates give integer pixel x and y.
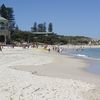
{"type": "Point", "coordinates": [21, 85]}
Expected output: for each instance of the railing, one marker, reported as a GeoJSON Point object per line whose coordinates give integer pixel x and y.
{"type": "Point", "coordinates": [3, 28]}
{"type": "Point", "coordinates": [4, 32]}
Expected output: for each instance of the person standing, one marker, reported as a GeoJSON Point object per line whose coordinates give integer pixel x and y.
{"type": "Point", "coordinates": [0, 48]}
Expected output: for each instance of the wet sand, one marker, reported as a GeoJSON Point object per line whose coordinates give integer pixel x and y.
{"type": "Point", "coordinates": [63, 67]}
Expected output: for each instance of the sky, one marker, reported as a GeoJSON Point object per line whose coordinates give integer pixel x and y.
{"type": "Point", "coordinates": [69, 17]}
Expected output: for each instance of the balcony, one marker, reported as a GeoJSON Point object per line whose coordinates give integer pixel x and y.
{"type": "Point", "coordinates": [4, 32]}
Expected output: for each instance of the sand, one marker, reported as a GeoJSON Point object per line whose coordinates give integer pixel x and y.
{"type": "Point", "coordinates": [35, 74]}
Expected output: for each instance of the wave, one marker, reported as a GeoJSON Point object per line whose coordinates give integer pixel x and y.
{"type": "Point", "coordinates": [81, 55]}
{"type": "Point", "coordinates": [86, 57]}
{"type": "Point", "coordinates": [84, 54]}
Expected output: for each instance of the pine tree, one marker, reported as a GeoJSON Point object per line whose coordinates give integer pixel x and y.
{"type": "Point", "coordinates": [40, 27]}
{"type": "Point", "coordinates": [34, 28]}
{"type": "Point", "coordinates": [3, 11]}
{"type": "Point", "coordinates": [50, 27]}
{"type": "Point", "coordinates": [44, 27]}
{"type": "Point", "coordinates": [11, 19]}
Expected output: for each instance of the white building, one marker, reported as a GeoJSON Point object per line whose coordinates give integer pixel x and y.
{"type": "Point", "coordinates": [4, 30]}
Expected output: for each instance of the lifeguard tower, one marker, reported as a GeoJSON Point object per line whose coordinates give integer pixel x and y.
{"type": "Point", "coordinates": [4, 30]}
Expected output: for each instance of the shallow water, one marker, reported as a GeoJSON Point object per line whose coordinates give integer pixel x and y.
{"type": "Point", "coordinates": [94, 67]}
{"type": "Point", "coordinates": [92, 55]}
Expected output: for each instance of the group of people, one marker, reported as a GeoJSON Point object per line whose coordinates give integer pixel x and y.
{"type": "Point", "coordinates": [54, 48]}
{"type": "Point", "coordinates": [35, 45]}
{"type": "Point", "coordinates": [58, 49]}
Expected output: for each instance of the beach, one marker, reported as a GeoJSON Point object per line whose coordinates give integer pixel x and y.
{"type": "Point", "coordinates": [36, 74]}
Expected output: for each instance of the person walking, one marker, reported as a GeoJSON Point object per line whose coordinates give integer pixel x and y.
{"type": "Point", "coordinates": [0, 48]}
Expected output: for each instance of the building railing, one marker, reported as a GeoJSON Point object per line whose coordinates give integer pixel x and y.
{"type": "Point", "coordinates": [4, 32]}
{"type": "Point", "coordinates": [3, 28]}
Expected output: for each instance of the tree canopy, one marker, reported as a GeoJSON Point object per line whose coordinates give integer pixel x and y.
{"type": "Point", "coordinates": [34, 28]}
{"type": "Point", "coordinates": [50, 27]}
{"type": "Point", "coordinates": [41, 27]}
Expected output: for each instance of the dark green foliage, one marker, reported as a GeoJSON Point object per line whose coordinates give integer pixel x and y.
{"type": "Point", "coordinates": [34, 28]}
{"type": "Point", "coordinates": [7, 12]}
{"type": "Point", "coordinates": [40, 27]}
{"type": "Point", "coordinates": [1, 38]}
{"type": "Point", "coordinates": [20, 36]}
{"type": "Point", "coordinates": [49, 39]}
{"type": "Point", "coordinates": [11, 18]}
{"type": "Point", "coordinates": [76, 40]}
{"type": "Point", "coordinates": [50, 27]}
{"type": "Point", "coordinates": [3, 11]}
{"type": "Point", "coordinates": [44, 27]}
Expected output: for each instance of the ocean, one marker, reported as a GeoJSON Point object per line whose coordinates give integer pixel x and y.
{"type": "Point", "coordinates": [91, 55]}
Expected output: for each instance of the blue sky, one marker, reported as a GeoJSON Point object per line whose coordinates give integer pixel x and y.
{"type": "Point", "coordinates": [69, 17]}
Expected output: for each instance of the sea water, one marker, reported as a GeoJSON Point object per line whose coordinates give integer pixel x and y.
{"type": "Point", "coordinates": [92, 55]}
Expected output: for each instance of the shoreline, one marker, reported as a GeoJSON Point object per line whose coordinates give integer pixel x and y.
{"type": "Point", "coordinates": [79, 46]}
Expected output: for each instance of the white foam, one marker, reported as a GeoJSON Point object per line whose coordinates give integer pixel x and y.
{"type": "Point", "coordinates": [80, 55]}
